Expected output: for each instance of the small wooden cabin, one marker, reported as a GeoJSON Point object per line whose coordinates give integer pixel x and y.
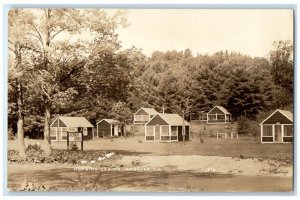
{"type": "Point", "coordinates": [62, 124]}
{"type": "Point", "coordinates": [110, 128]}
{"type": "Point", "coordinates": [218, 115]}
{"type": "Point", "coordinates": [143, 115]}
{"type": "Point", "coordinates": [202, 116]}
{"type": "Point", "coordinates": [166, 128]}
{"type": "Point", "coordinates": [278, 127]}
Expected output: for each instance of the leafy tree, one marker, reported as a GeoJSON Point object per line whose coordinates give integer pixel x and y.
{"type": "Point", "coordinates": [18, 44]}
{"type": "Point", "coordinates": [59, 60]}
{"type": "Point", "coordinates": [281, 60]}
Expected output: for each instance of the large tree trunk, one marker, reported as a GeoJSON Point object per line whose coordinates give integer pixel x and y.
{"type": "Point", "coordinates": [47, 142]}
{"type": "Point", "coordinates": [21, 143]}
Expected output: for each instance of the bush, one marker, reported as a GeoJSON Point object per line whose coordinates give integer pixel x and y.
{"type": "Point", "coordinates": [33, 149]}
{"type": "Point", "coordinates": [201, 140]}
{"type": "Point", "coordinates": [32, 186]}
{"type": "Point", "coordinates": [11, 135]}
{"type": "Point", "coordinates": [249, 127]}
{"type": "Point", "coordinates": [74, 147]}
{"type": "Point", "coordinates": [136, 162]}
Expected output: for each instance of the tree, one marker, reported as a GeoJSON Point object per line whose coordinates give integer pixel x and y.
{"type": "Point", "coordinates": [282, 64]}
{"type": "Point", "coordinates": [45, 28]}
{"type": "Point", "coordinates": [121, 112]}
{"type": "Point", "coordinates": [59, 58]}
{"type": "Point", "coordinates": [18, 43]}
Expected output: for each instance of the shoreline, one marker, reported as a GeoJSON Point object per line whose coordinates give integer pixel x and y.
{"type": "Point", "coordinates": [193, 163]}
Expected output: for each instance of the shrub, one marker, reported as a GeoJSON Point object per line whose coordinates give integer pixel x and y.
{"type": "Point", "coordinates": [33, 149]}
{"type": "Point", "coordinates": [74, 147]}
{"type": "Point", "coordinates": [201, 140]}
{"type": "Point", "coordinates": [11, 135]}
{"type": "Point", "coordinates": [31, 186]}
{"type": "Point", "coordinates": [136, 162]}
{"type": "Point", "coordinates": [249, 127]}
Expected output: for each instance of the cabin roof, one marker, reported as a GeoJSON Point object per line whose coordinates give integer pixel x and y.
{"type": "Point", "coordinates": [74, 121]}
{"type": "Point", "coordinates": [110, 121]}
{"type": "Point", "coordinates": [285, 113]}
{"type": "Point", "coordinates": [150, 111]}
{"type": "Point", "coordinates": [171, 119]}
{"type": "Point", "coordinates": [224, 110]}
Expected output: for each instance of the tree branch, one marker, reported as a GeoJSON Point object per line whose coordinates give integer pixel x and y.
{"type": "Point", "coordinates": [56, 34]}
{"type": "Point", "coordinates": [12, 49]}
{"type": "Point", "coordinates": [74, 68]}
{"type": "Point", "coordinates": [39, 35]}
{"type": "Point", "coordinates": [45, 92]}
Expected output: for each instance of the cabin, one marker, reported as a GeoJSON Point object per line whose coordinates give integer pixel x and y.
{"type": "Point", "coordinates": [110, 128]}
{"type": "Point", "coordinates": [166, 128]}
{"type": "Point", "coordinates": [61, 125]}
{"type": "Point", "coordinates": [218, 115]}
{"type": "Point", "coordinates": [202, 116]}
{"type": "Point", "coordinates": [143, 115]}
{"type": "Point", "coordinates": [278, 127]}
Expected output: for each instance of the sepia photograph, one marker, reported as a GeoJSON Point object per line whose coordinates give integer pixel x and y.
{"type": "Point", "coordinates": [150, 100]}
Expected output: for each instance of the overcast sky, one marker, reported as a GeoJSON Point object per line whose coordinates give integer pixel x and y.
{"type": "Point", "coordinates": [250, 32]}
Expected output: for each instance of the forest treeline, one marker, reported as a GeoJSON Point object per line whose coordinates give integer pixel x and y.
{"type": "Point", "coordinates": [51, 73]}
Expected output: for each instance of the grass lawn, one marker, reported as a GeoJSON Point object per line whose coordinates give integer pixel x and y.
{"type": "Point", "coordinates": [245, 146]}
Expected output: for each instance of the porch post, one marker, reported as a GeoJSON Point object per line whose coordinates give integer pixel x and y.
{"type": "Point", "coordinates": [145, 132]}
{"type": "Point", "coordinates": [160, 133]}
{"type": "Point", "coordinates": [261, 133]}
{"type": "Point", "coordinates": [97, 132]}
{"type": "Point", "coordinates": [170, 133]}
{"type": "Point", "coordinates": [111, 130]}
{"type": "Point", "coordinates": [282, 132]}
{"type": "Point", "coordinates": [273, 132]}
{"type": "Point", "coordinates": [56, 133]}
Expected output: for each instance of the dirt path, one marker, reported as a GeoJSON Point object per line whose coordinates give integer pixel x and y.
{"type": "Point", "coordinates": [197, 163]}
{"type": "Point", "coordinates": [179, 181]}
{"type": "Point", "coordinates": [163, 173]}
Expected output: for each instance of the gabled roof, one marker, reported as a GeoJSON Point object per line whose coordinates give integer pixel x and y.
{"type": "Point", "coordinates": [150, 111]}
{"type": "Point", "coordinates": [110, 121]}
{"type": "Point", "coordinates": [286, 113]}
{"type": "Point", "coordinates": [224, 110]}
{"type": "Point", "coordinates": [74, 121]}
{"type": "Point", "coordinates": [171, 119]}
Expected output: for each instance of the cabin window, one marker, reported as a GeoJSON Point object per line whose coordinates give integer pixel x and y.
{"type": "Point", "coordinates": [221, 116]}
{"type": "Point", "coordinates": [174, 130]}
{"type": "Point", "coordinates": [150, 130]}
{"type": "Point", "coordinates": [141, 118]}
{"type": "Point", "coordinates": [164, 130]}
{"type": "Point", "coordinates": [64, 133]}
{"type": "Point", "coordinates": [212, 117]}
{"type": "Point", "coordinates": [288, 130]}
{"type": "Point", "coordinates": [267, 130]}
{"type": "Point", "coordinates": [53, 133]}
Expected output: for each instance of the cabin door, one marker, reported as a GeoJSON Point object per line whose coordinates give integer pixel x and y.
{"type": "Point", "coordinates": [157, 132]}
{"type": "Point", "coordinates": [115, 130]}
{"type": "Point", "coordinates": [277, 133]}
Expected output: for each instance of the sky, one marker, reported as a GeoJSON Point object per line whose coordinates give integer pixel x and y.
{"type": "Point", "coordinates": [206, 31]}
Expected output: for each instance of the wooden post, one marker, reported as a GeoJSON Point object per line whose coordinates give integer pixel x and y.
{"type": "Point", "coordinates": [183, 129]}
{"type": "Point", "coordinates": [67, 140]}
{"type": "Point", "coordinates": [80, 130]}
{"type": "Point", "coordinates": [81, 141]}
